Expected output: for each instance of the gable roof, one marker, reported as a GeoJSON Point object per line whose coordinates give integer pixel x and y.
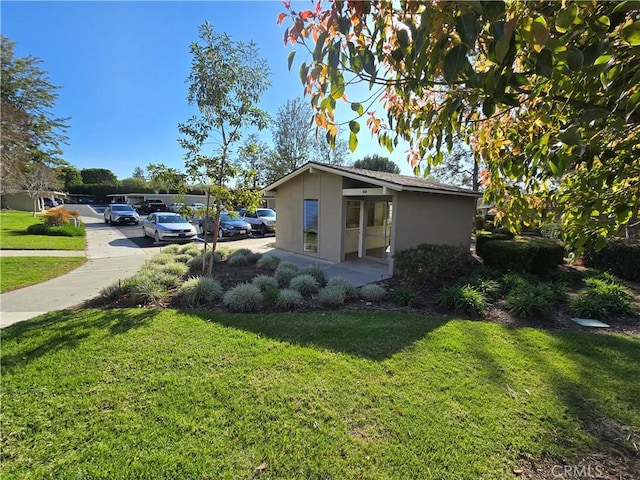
{"type": "Point", "coordinates": [391, 181]}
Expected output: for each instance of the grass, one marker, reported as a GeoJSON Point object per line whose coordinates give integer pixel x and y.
{"type": "Point", "coordinates": [13, 235]}
{"type": "Point", "coordinates": [18, 272]}
{"type": "Point", "coordinates": [165, 394]}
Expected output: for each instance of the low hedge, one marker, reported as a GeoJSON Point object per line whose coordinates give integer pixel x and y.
{"type": "Point", "coordinates": [433, 264]}
{"type": "Point", "coordinates": [57, 231]}
{"type": "Point", "coordinates": [483, 238]}
{"type": "Point", "coordinates": [530, 254]}
{"type": "Point", "coordinates": [619, 257]}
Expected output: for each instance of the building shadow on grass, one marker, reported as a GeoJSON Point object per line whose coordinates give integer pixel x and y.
{"type": "Point", "coordinates": [26, 341]}
{"type": "Point", "coordinates": [361, 334]}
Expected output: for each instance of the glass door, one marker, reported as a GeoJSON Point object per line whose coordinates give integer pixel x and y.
{"type": "Point", "coordinates": [378, 230]}
{"type": "Point", "coordinates": [310, 227]}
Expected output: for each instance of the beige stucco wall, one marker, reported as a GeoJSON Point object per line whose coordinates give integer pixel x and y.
{"type": "Point", "coordinates": [325, 187]}
{"type": "Point", "coordinates": [432, 218]}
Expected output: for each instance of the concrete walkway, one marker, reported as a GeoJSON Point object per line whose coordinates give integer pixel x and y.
{"type": "Point", "coordinates": [110, 256]}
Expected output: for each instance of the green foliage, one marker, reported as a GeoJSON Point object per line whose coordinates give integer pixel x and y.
{"type": "Point", "coordinates": [602, 299]}
{"type": "Point", "coordinates": [483, 238]}
{"type": "Point", "coordinates": [306, 284]}
{"type": "Point", "coordinates": [183, 258]}
{"type": "Point", "coordinates": [163, 258]}
{"type": "Point", "coordinates": [332, 295]}
{"type": "Point", "coordinates": [98, 176]}
{"type": "Point", "coordinates": [265, 282]}
{"type": "Point", "coordinates": [189, 249]}
{"type": "Point", "coordinates": [545, 92]}
{"type": "Point", "coordinates": [289, 299]}
{"type": "Point", "coordinates": [271, 296]}
{"type": "Point", "coordinates": [57, 231]}
{"type": "Point", "coordinates": [198, 291]}
{"type": "Point", "coordinates": [524, 254]}
{"type": "Point", "coordinates": [404, 296]}
{"type": "Point", "coordinates": [243, 298]}
{"type": "Point", "coordinates": [432, 264]}
{"type": "Point", "coordinates": [144, 289]}
{"type": "Point", "coordinates": [491, 289]}
{"type": "Point", "coordinates": [284, 273]}
{"type": "Point", "coordinates": [464, 299]}
{"type": "Point", "coordinates": [533, 300]}
{"type": "Point", "coordinates": [172, 248]}
{"type": "Point", "coordinates": [377, 163]}
{"type": "Point", "coordinates": [196, 264]}
{"type": "Point", "coordinates": [350, 291]}
{"type": "Point", "coordinates": [373, 293]}
{"type": "Point", "coordinates": [243, 256]}
{"type": "Point", "coordinates": [270, 262]}
{"type": "Point", "coordinates": [618, 257]}
{"type": "Point", "coordinates": [317, 272]}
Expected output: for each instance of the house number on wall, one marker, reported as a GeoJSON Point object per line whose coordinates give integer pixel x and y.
{"type": "Point", "coordinates": [364, 191]}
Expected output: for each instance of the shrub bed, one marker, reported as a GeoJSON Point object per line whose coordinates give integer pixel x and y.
{"type": "Point", "coordinates": [524, 254]}
{"type": "Point", "coordinates": [618, 257]}
{"type": "Point", "coordinates": [433, 264]}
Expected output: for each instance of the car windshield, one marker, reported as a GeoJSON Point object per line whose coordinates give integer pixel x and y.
{"type": "Point", "coordinates": [171, 219]}
{"type": "Point", "coordinates": [121, 208]}
{"type": "Point", "coordinates": [224, 217]}
{"type": "Point", "coordinates": [266, 212]}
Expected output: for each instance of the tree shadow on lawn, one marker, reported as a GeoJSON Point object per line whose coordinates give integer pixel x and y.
{"type": "Point", "coordinates": [355, 333]}
{"type": "Point", "coordinates": [26, 341]}
{"type": "Point", "coordinates": [600, 389]}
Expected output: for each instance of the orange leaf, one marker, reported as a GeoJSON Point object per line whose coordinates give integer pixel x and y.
{"type": "Point", "coordinates": [281, 17]}
{"type": "Point", "coordinates": [306, 14]}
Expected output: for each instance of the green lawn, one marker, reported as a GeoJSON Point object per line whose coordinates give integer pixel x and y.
{"type": "Point", "coordinates": [13, 235]}
{"type": "Point", "coordinates": [18, 272]}
{"type": "Point", "coordinates": [337, 395]}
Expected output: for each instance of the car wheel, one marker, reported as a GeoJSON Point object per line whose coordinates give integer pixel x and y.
{"type": "Point", "coordinates": [201, 229]}
{"type": "Point", "coordinates": [135, 223]}
{"type": "Point", "coordinates": [220, 233]}
{"type": "Point", "coordinates": [106, 221]}
{"type": "Point", "coordinates": [263, 229]}
{"type": "Point", "coordinates": [157, 237]}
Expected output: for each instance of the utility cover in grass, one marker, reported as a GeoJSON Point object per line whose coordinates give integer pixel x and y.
{"type": "Point", "coordinates": [587, 322]}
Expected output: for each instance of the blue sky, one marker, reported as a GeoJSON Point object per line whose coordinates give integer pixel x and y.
{"type": "Point", "coordinates": [122, 67]}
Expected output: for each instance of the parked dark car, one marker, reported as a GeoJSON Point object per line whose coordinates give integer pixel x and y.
{"type": "Point", "coordinates": [262, 221]}
{"type": "Point", "coordinates": [229, 226]}
{"type": "Point", "coordinates": [120, 213]}
{"type": "Point", "coordinates": [153, 205]}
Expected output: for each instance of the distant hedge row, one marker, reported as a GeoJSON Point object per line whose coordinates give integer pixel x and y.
{"type": "Point", "coordinates": [618, 257]}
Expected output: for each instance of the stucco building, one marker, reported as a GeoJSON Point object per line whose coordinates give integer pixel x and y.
{"type": "Point", "coordinates": [340, 213]}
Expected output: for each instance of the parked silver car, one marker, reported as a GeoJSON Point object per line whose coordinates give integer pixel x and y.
{"type": "Point", "coordinates": [120, 213]}
{"type": "Point", "coordinates": [168, 227]}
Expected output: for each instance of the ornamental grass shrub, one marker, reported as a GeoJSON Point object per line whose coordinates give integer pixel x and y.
{"type": "Point", "coordinates": [317, 272]}
{"type": "Point", "coordinates": [264, 282]}
{"type": "Point", "coordinates": [350, 291]}
{"type": "Point", "coordinates": [269, 262]}
{"type": "Point", "coordinates": [332, 295]}
{"type": "Point", "coordinates": [602, 299]}
{"type": "Point", "coordinates": [305, 284]}
{"type": "Point", "coordinates": [289, 299]}
{"type": "Point", "coordinates": [372, 293]}
{"type": "Point", "coordinates": [243, 298]}
{"type": "Point", "coordinates": [199, 291]}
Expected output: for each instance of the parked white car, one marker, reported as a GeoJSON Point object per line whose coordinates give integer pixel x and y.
{"type": "Point", "coordinates": [120, 213]}
{"type": "Point", "coordinates": [168, 227]}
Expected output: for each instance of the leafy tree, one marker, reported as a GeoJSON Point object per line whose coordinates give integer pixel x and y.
{"type": "Point", "coordinates": [138, 172]}
{"type": "Point", "coordinates": [226, 82]}
{"type": "Point", "coordinates": [546, 93]}
{"type": "Point", "coordinates": [70, 176]}
{"type": "Point", "coordinates": [253, 157]}
{"type": "Point", "coordinates": [134, 184]}
{"type": "Point", "coordinates": [30, 132]}
{"type": "Point", "coordinates": [163, 178]}
{"type": "Point", "coordinates": [336, 154]}
{"type": "Point", "coordinates": [377, 163]}
{"type": "Point", "coordinates": [98, 176]}
{"type": "Point", "coordinates": [292, 137]}
{"type": "Point", "coordinates": [459, 167]}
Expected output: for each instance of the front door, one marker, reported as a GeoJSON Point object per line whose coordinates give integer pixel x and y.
{"type": "Point", "coordinates": [378, 230]}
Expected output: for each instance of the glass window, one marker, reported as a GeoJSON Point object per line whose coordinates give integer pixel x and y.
{"type": "Point", "coordinates": [353, 214]}
{"type": "Point", "coordinates": [310, 225]}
